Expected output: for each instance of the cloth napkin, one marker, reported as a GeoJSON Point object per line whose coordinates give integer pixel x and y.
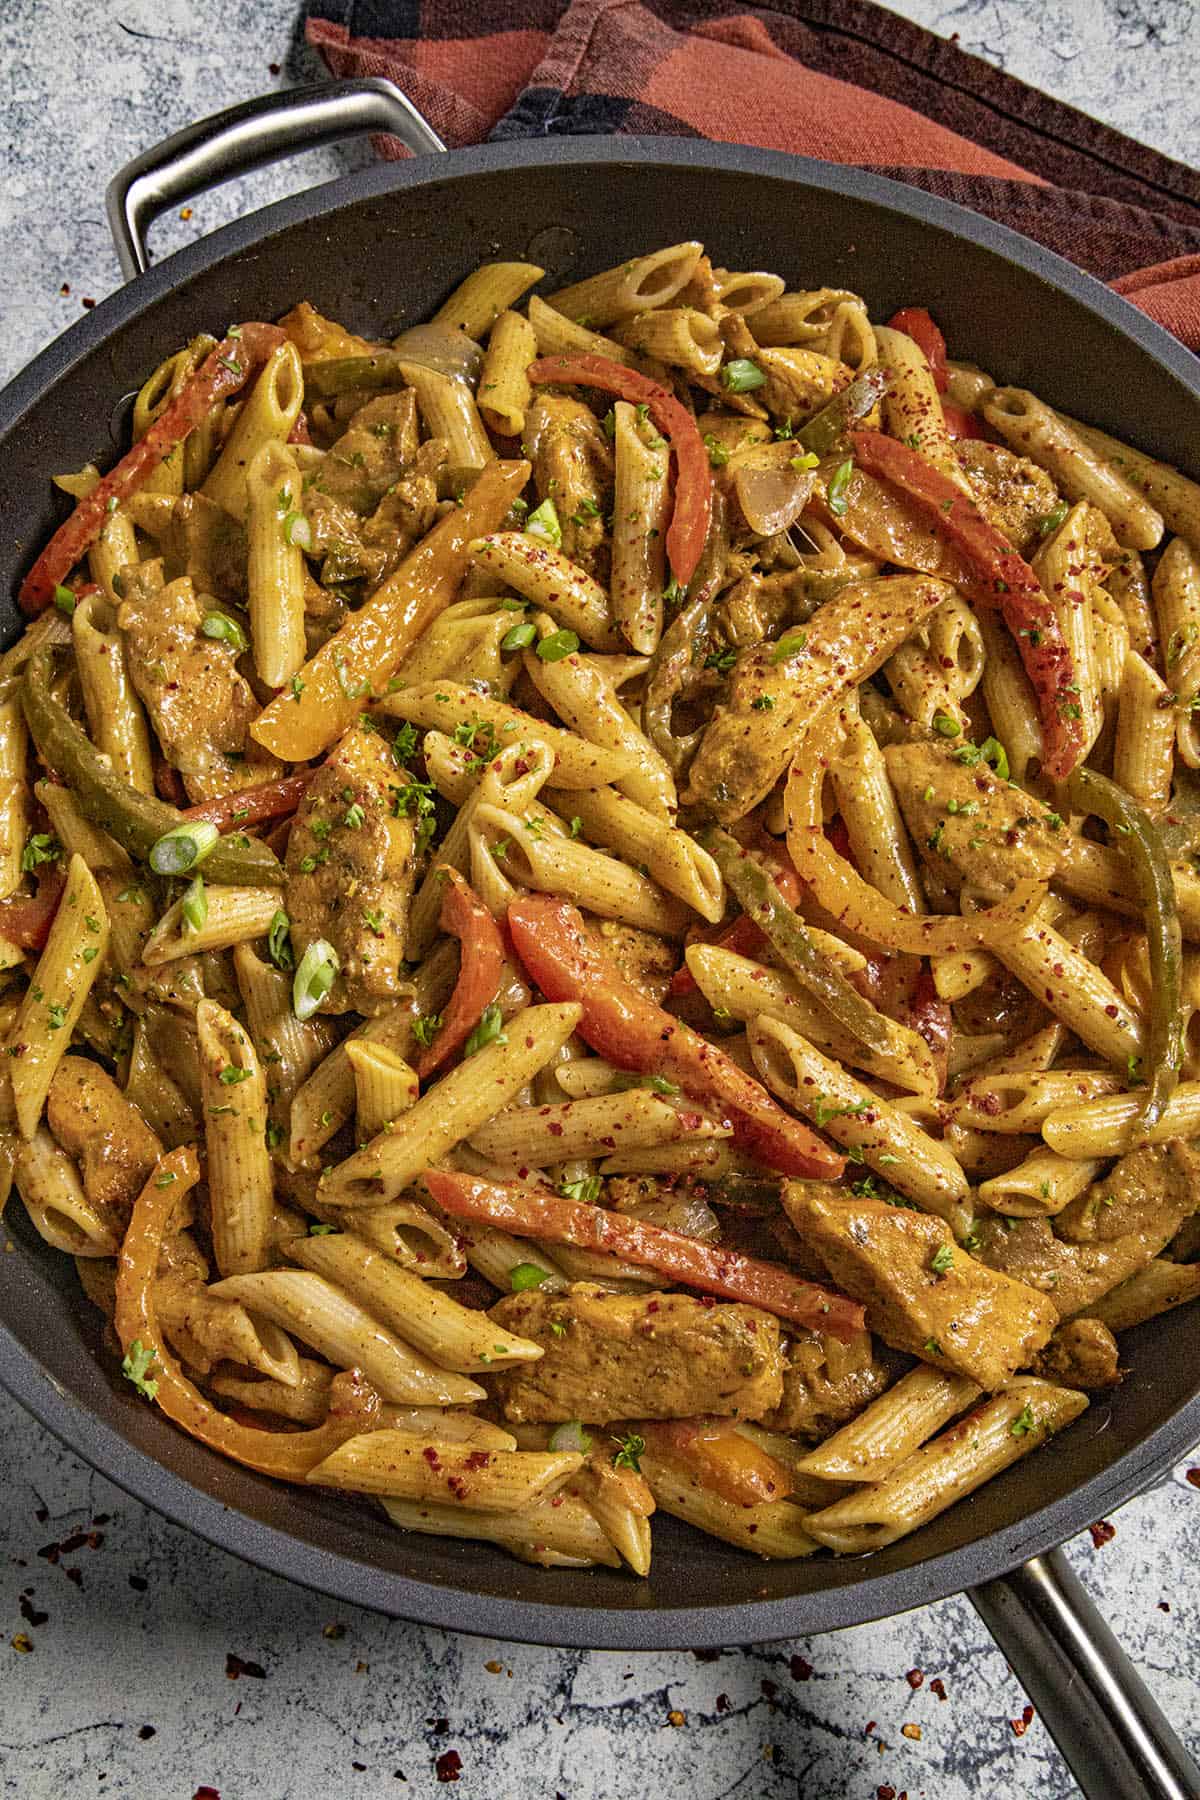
{"type": "Point", "coordinates": [839, 79]}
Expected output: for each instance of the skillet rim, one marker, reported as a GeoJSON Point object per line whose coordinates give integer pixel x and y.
{"type": "Point", "coordinates": [581, 1625]}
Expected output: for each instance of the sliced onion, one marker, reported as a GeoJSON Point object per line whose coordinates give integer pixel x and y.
{"type": "Point", "coordinates": [444, 348]}
{"type": "Point", "coordinates": [684, 1213]}
{"type": "Point", "coordinates": [770, 491]}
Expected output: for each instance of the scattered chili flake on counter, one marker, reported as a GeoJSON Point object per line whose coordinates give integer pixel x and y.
{"type": "Point", "coordinates": [207, 1793]}
{"type": "Point", "coordinates": [723, 1703]}
{"type": "Point", "coordinates": [448, 1766]}
{"type": "Point", "coordinates": [29, 1612]}
{"type": "Point", "coordinates": [1193, 1475]}
{"type": "Point", "coordinates": [801, 1669]}
{"type": "Point", "coordinates": [676, 1719]}
{"type": "Point", "coordinates": [1102, 1533]}
{"type": "Point", "coordinates": [22, 1643]}
{"type": "Point", "coordinates": [185, 212]}
{"type": "Point", "coordinates": [493, 1667]}
{"type": "Point", "coordinates": [915, 1678]}
{"type": "Point", "coordinates": [937, 1686]}
{"type": "Point", "coordinates": [1021, 1726]}
{"type": "Point", "coordinates": [333, 1631]}
{"type": "Point", "coordinates": [909, 1730]}
{"type": "Point", "coordinates": [235, 1666]}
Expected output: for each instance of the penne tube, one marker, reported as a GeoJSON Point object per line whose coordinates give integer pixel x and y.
{"type": "Point", "coordinates": [512, 779]}
{"type": "Point", "coordinates": [560, 1533]}
{"type": "Point", "coordinates": [1176, 591]}
{"type": "Point", "coordinates": [603, 1124]}
{"type": "Point", "coordinates": [504, 390]}
{"type": "Point", "coordinates": [1145, 742]}
{"type": "Point", "coordinates": [1009, 698]}
{"type": "Point", "coordinates": [1019, 1101]}
{"type": "Point", "coordinates": [448, 413]}
{"type": "Point", "coordinates": [581, 696]}
{"type": "Point", "coordinates": [234, 916]}
{"type": "Point", "coordinates": [888, 1140]}
{"type": "Point", "coordinates": [409, 1233]}
{"type": "Point", "coordinates": [494, 1254]}
{"type": "Point", "coordinates": [1075, 989]}
{"type": "Point", "coordinates": [289, 1048]}
{"type": "Point", "coordinates": [956, 1463]}
{"type": "Point", "coordinates": [679, 336]}
{"type": "Point", "coordinates": [307, 1403]}
{"type": "Point", "coordinates": [537, 858]}
{"type": "Point", "coordinates": [130, 913]}
{"type": "Point", "coordinates": [267, 415]}
{"type": "Point", "coordinates": [640, 506]}
{"type": "Point", "coordinates": [457, 1106]}
{"type": "Point", "coordinates": [1163, 488]}
{"type": "Point", "coordinates": [234, 1095]}
{"type": "Point", "coordinates": [53, 1001]}
{"type": "Point", "coordinates": [1067, 569]}
{"type": "Point", "coordinates": [59, 1209]}
{"type": "Point", "coordinates": [967, 385]}
{"type": "Point", "coordinates": [116, 721]}
{"type": "Point", "coordinates": [445, 705]}
{"type": "Point", "coordinates": [747, 990]}
{"type": "Point", "coordinates": [14, 790]}
{"type": "Point", "coordinates": [454, 1336]}
{"type": "Point", "coordinates": [708, 1160]}
{"type": "Point", "coordinates": [205, 1328]}
{"type": "Point", "coordinates": [745, 293]}
{"type": "Point", "coordinates": [407, 1466]}
{"type": "Point", "coordinates": [485, 293]}
{"type": "Point", "coordinates": [464, 643]}
{"type": "Point", "coordinates": [115, 549]}
{"type": "Point", "coordinates": [1033, 429]}
{"type": "Point", "coordinates": [643, 282]}
{"type": "Point", "coordinates": [912, 409]}
{"type": "Point", "coordinates": [670, 857]}
{"type": "Point", "coordinates": [1157, 1288]}
{"type": "Point", "coordinates": [877, 833]}
{"type": "Point", "coordinates": [1040, 1186]}
{"type": "Point", "coordinates": [275, 571]}
{"type": "Point", "coordinates": [1109, 1126]}
{"type": "Point", "coordinates": [851, 338]}
{"type": "Point", "coordinates": [774, 1528]}
{"type": "Point", "coordinates": [321, 1315]}
{"type": "Point", "coordinates": [887, 1432]}
{"type": "Point", "coordinates": [546, 578]}
{"type": "Point", "coordinates": [384, 1086]}
{"type": "Point", "coordinates": [156, 1096]}
{"type": "Point", "coordinates": [802, 318]}
{"type": "Point", "coordinates": [446, 1425]}
{"type": "Point", "coordinates": [620, 1501]}
{"type": "Point", "coordinates": [961, 972]}
{"type": "Point", "coordinates": [559, 336]}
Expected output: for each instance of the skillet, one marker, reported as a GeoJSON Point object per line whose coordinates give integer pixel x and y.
{"type": "Point", "coordinates": [380, 249]}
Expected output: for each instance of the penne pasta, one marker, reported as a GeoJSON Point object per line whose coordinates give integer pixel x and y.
{"type": "Point", "coordinates": [487, 291]}
{"type": "Point", "coordinates": [504, 390]}
{"type": "Point", "coordinates": [275, 565]}
{"type": "Point", "coordinates": [405, 1466]}
{"type": "Point", "coordinates": [1030, 427]}
{"type": "Point", "coordinates": [233, 1093]}
{"type": "Point", "coordinates": [892, 1427]}
{"type": "Point", "coordinates": [639, 523]}
{"type": "Point", "coordinates": [54, 999]}
{"type": "Point", "coordinates": [267, 416]}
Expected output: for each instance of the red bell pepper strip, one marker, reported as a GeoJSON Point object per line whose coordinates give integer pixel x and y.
{"type": "Point", "coordinates": [959, 422]}
{"type": "Point", "coordinates": [224, 371]}
{"type": "Point", "coordinates": [918, 324]}
{"type": "Point", "coordinates": [1001, 579]}
{"type": "Point", "coordinates": [26, 920]}
{"type": "Point", "coordinates": [532, 1212]}
{"type": "Point", "coordinates": [480, 969]}
{"type": "Point", "coordinates": [693, 475]}
{"type": "Point", "coordinates": [249, 806]}
{"type": "Point", "coordinates": [622, 1025]}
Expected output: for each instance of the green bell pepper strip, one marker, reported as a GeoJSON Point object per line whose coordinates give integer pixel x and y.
{"type": "Point", "coordinates": [134, 819]}
{"type": "Point", "coordinates": [1141, 839]}
{"type": "Point", "coordinates": [826, 431]}
{"type": "Point", "coordinates": [762, 902]}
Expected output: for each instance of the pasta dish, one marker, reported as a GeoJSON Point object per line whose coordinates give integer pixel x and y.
{"type": "Point", "coordinates": [597, 909]}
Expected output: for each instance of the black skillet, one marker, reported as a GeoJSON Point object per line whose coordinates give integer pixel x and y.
{"type": "Point", "coordinates": [380, 249]}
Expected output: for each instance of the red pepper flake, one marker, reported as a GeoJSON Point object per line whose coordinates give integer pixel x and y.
{"type": "Point", "coordinates": [22, 1643]}
{"type": "Point", "coordinates": [769, 1688]}
{"type": "Point", "coordinates": [87, 302]}
{"type": "Point", "coordinates": [234, 1666]}
{"type": "Point", "coordinates": [937, 1686]}
{"type": "Point", "coordinates": [30, 1613]}
{"type": "Point", "coordinates": [707, 1655]}
{"type": "Point", "coordinates": [448, 1766]}
{"type": "Point", "coordinates": [1102, 1533]}
{"type": "Point", "coordinates": [333, 1631]}
{"type": "Point", "coordinates": [439, 1727]}
{"type": "Point", "coordinates": [1193, 1475]}
{"type": "Point", "coordinates": [1164, 1606]}
{"type": "Point", "coordinates": [273, 68]}
{"type": "Point", "coordinates": [146, 1732]}
{"type": "Point", "coordinates": [801, 1669]}
{"type": "Point", "coordinates": [360, 1767]}
{"type": "Point", "coordinates": [1021, 1726]}
{"type": "Point", "coordinates": [723, 1703]}
{"type": "Point", "coordinates": [207, 1793]}
{"type": "Point", "coordinates": [65, 288]}
{"type": "Point", "coordinates": [915, 1678]}
{"type": "Point", "coordinates": [885, 1792]}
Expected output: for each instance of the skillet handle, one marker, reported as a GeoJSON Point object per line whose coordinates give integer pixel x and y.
{"type": "Point", "coordinates": [245, 137]}
{"type": "Point", "coordinates": [1115, 1739]}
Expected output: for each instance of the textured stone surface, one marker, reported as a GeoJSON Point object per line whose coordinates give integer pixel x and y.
{"type": "Point", "coordinates": [127, 1689]}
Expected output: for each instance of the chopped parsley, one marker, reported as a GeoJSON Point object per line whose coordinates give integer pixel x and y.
{"type": "Point", "coordinates": [823, 1113]}
{"type": "Point", "coordinates": [839, 481]}
{"type": "Point", "coordinates": [763, 703]}
{"type": "Point", "coordinates": [40, 848]}
{"type": "Point", "coordinates": [657, 1084]}
{"type": "Point", "coordinates": [629, 1451]}
{"type": "Point", "coordinates": [942, 1260]}
{"type": "Point", "coordinates": [425, 1027]}
{"type": "Point", "coordinates": [587, 1188]}
{"type": "Point", "coordinates": [490, 1030]}
{"type": "Point", "coordinates": [1024, 1423]}
{"type": "Point", "coordinates": [231, 1076]}
{"type": "Point", "coordinates": [135, 1367]}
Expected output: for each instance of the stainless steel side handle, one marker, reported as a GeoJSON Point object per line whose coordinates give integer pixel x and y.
{"type": "Point", "coordinates": [246, 137]}
{"type": "Point", "coordinates": [1113, 1736]}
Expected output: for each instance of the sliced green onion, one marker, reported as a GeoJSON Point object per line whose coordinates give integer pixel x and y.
{"type": "Point", "coordinates": [839, 481]}
{"type": "Point", "coordinates": [587, 1189]}
{"type": "Point", "coordinates": [543, 523]}
{"type": "Point", "coordinates": [180, 849]}
{"type": "Point", "coordinates": [490, 1030]}
{"type": "Point", "coordinates": [789, 645]}
{"type": "Point", "coordinates": [313, 979]}
{"type": "Point", "coordinates": [556, 645]}
{"type": "Point", "coordinates": [741, 376]}
{"type": "Point", "coordinates": [64, 599]}
{"type": "Point", "coordinates": [298, 531]}
{"type": "Point", "coordinates": [219, 625]}
{"type": "Point", "coordinates": [524, 1276]}
{"type": "Point", "coordinates": [945, 726]}
{"type": "Point", "coordinates": [194, 905]}
{"type": "Point", "coordinates": [519, 636]}
{"type": "Point", "coordinates": [571, 1436]}
{"type": "Point", "coordinates": [279, 942]}
{"type": "Point", "coordinates": [1053, 519]}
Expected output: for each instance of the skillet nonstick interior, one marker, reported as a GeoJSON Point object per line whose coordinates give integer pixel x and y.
{"type": "Point", "coordinates": [380, 250]}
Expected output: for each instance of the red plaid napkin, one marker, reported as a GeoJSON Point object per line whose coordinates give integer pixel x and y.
{"type": "Point", "coordinates": [840, 79]}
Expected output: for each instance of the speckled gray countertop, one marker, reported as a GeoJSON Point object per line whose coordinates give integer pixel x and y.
{"type": "Point", "coordinates": [154, 1667]}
